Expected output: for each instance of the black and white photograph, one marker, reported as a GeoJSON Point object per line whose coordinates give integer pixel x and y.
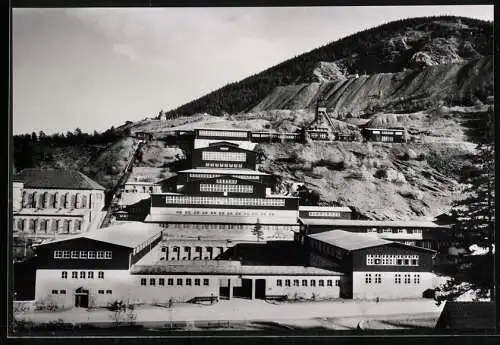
{"type": "Point", "coordinates": [206, 171]}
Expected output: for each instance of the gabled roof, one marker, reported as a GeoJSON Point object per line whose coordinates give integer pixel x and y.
{"type": "Point", "coordinates": [130, 234]}
{"type": "Point", "coordinates": [348, 240]}
{"type": "Point", "coordinates": [468, 315]}
{"type": "Point", "coordinates": [224, 171]}
{"type": "Point", "coordinates": [352, 241]}
{"type": "Point", "coordinates": [56, 178]}
{"type": "Point", "coordinates": [368, 223]}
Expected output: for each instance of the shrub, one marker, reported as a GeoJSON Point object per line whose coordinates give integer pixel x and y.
{"type": "Point", "coordinates": [381, 173]}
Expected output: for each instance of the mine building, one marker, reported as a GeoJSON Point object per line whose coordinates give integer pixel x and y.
{"type": "Point", "coordinates": [374, 268]}
{"type": "Point", "coordinates": [423, 234]}
{"type": "Point", "coordinates": [223, 192]}
{"type": "Point", "coordinates": [385, 135]}
{"type": "Point", "coordinates": [321, 127]}
{"type": "Point", "coordinates": [324, 212]}
{"type": "Point", "coordinates": [51, 203]}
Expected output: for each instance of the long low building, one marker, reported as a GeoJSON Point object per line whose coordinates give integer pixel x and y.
{"type": "Point", "coordinates": [416, 233]}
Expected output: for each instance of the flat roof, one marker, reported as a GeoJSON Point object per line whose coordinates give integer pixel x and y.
{"type": "Point", "coordinates": [209, 219]}
{"type": "Point", "coordinates": [224, 171]}
{"type": "Point", "coordinates": [368, 223]}
{"type": "Point", "coordinates": [221, 267]}
{"type": "Point", "coordinates": [130, 234]}
{"type": "Point", "coordinates": [222, 129]}
{"type": "Point", "coordinates": [325, 208]}
{"type": "Point", "coordinates": [349, 240]}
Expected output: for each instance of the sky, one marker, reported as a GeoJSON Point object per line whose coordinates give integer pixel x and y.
{"type": "Point", "coordinates": [93, 68]}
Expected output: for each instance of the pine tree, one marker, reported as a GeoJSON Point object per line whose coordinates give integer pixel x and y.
{"type": "Point", "coordinates": [257, 230]}
{"type": "Point", "coordinates": [475, 219]}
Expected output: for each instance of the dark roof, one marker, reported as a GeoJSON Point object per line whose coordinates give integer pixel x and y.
{"type": "Point", "coordinates": [468, 315]}
{"type": "Point", "coordinates": [56, 178]}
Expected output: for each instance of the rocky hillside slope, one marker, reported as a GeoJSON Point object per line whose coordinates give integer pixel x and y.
{"type": "Point", "coordinates": [390, 48]}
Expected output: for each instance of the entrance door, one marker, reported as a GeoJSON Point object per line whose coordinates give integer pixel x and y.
{"type": "Point", "coordinates": [260, 288]}
{"type": "Point", "coordinates": [81, 298]}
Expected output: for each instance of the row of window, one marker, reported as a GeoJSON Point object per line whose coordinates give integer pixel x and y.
{"type": "Point", "coordinates": [312, 282]}
{"type": "Point", "coordinates": [178, 281]}
{"type": "Point", "coordinates": [224, 156]}
{"type": "Point", "coordinates": [228, 226]}
{"type": "Point", "coordinates": [205, 212]}
{"type": "Point", "coordinates": [44, 225]}
{"type": "Point", "coordinates": [63, 292]}
{"type": "Point", "coordinates": [213, 200]}
{"type": "Point", "coordinates": [392, 260]}
{"type": "Point", "coordinates": [394, 231]}
{"type": "Point", "coordinates": [226, 181]}
{"type": "Point", "coordinates": [327, 249]}
{"type": "Point", "coordinates": [276, 135]}
{"type": "Point", "coordinates": [233, 134]}
{"type": "Point", "coordinates": [55, 200]}
{"type": "Point", "coordinates": [397, 278]}
{"type": "Point", "coordinates": [223, 165]}
{"type": "Point", "coordinates": [324, 214]}
{"type": "Point", "coordinates": [206, 176]}
{"type": "Point", "coordinates": [83, 254]}
{"type": "Point", "coordinates": [230, 188]}
{"type": "Point", "coordinates": [83, 275]}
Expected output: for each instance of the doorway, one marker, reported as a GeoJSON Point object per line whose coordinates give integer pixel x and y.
{"type": "Point", "coordinates": [260, 288]}
{"type": "Point", "coordinates": [81, 298]}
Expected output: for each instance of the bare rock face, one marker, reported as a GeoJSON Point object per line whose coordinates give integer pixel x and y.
{"type": "Point", "coordinates": [328, 71]}
{"type": "Point", "coordinates": [421, 59]}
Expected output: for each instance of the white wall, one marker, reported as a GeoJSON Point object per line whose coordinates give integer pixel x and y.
{"type": "Point", "coordinates": [300, 291]}
{"type": "Point", "coordinates": [388, 289]}
{"type": "Point", "coordinates": [118, 281]}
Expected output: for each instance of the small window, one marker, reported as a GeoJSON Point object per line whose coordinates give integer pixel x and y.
{"type": "Point", "coordinates": [304, 282]}
{"type": "Point", "coordinates": [91, 255]}
{"type": "Point", "coordinates": [197, 282]}
{"type": "Point", "coordinates": [279, 282]}
{"type": "Point", "coordinates": [170, 281]}
{"type": "Point", "coordinates": [295, 282]}
{"type": "Point", "coordinates": [64, 275]}
{"type": "Point", "coordinates": [205, 282]}
{"type": "Point", "coordinates": [188, 281]}
{"type": "Point", "coordinates": [109, 254]}
{"type": "Point", "coordinates": [90, 275]}
{"type": "Point", "coordinates": [109, 292]}
{"type": "Point", "coordinates": [66, 254]}
{"type": "Point", "coordinates": [100, 254]}
{"type": "Point", "coordinates": [100, 292]}
{"type": "Point", "coordinates": [368, 278]}
{"type": "Point", "coordinates": [74, 254]}
{"type": "Point", "coordinates": [179, 281]}
{"type": "Point", "coordinates": [74, 275]}
{"type": "Point", "coordinates": [55, 292]}
{"type": "Point", "coordinates": [152, 281]}
{"type": "Point", "coordinates": [57, 254]}
{"type": "Point", "coordinates": [143, 281]}
{"type": "Point", "coordinates": [321, 282]}
{"type": "Point", "coordinates": [62, 292]}
{"type": "Point", "coordinates": [313, 282]}
{"type": "Point", "coordinates": [82, 274]}
{"type": "Point", "coordinates": [329, 282]}
{"type": "Point", "coordinates": [100, 275]}
{"type": "Point", "coordinates": [83, 254]}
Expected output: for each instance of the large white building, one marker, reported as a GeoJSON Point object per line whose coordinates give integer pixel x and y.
{"type": "Point", "coordinates": [50, 203]}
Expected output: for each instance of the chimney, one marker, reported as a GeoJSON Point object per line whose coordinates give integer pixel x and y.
{"type": "Point", "coordinates": [17, 196]}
